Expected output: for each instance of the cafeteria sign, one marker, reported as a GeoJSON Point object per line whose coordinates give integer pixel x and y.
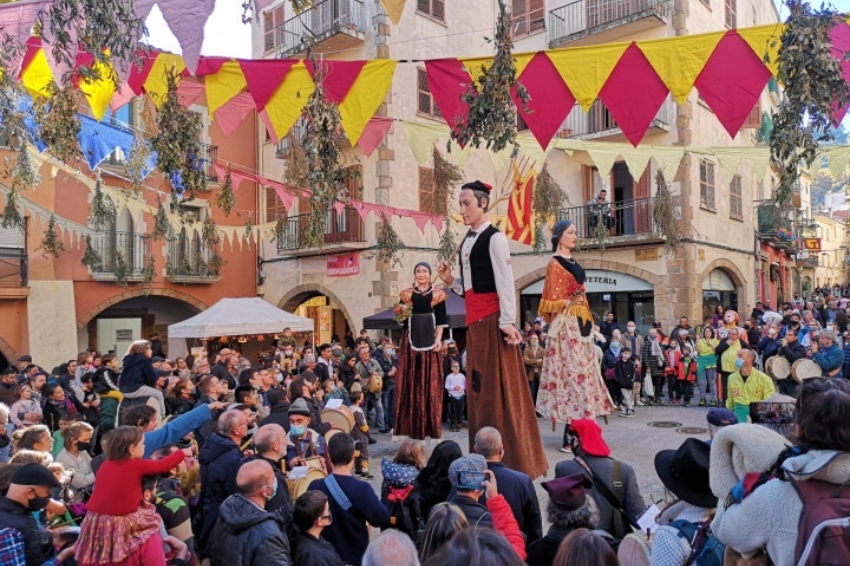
{"type": "Point", "coordinates": [343, 265]}
{"type": "Point", "coordinates": [812, 245]}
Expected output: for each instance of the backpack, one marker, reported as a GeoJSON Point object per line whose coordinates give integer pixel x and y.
{"type": "Point", "coordinates": [706, 550]}
{"type": "Point", "coordinates": [403, 504]}
{"type": "Point", "coordinates": [823, 535]}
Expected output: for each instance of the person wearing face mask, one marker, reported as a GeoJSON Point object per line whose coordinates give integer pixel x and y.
{"type": "Point", "coordinates": [303, 443]}
{"type": "Point", "coordinates": [76, 456]}
{"type": "Point", "coordinates": [246, 532]}
{"type": "Point", "coordinates": [388, 361]}
{"type": "Point", "coordinates": [632, 339]}
{"type": "Point", "coordinates": [532, 357]}
{"type": "Point", "coordinates": [747, 385]}
{"type": "Point", "coordinates": [29, 491]}
{"type": "Point", "coordinates": [652, 362]}
{"type": "Point", "coordinates": [770, 344]}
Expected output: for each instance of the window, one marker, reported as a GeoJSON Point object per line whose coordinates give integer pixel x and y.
{"type": "Point", "coordinates": [521, 126]}
{"type": "Point", "coordinates": [427, 106]}
{"type": "Point", "coordinates": [434, 8]}
{"type": "Point", "coordinates": [528, 16]}
{"type": "Point", "coordinates": [268, 32]}
{"type": "Point", "coordinates": [754, 118]}
{"type": "Point", "coordinates": [731, 14]}
{"type": "Point", "coordinates": [426, 193]}
{"type": "Point", "coordinates": [272, 28]}
{"type": "Point", "coordinates": [274, 208]}
{"type": "Point", "coordinates": [736, 208]}
{"type": "Point", "coordinates": [706, 183]}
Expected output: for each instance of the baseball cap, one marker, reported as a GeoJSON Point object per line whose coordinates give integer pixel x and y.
{"type": "Point", "coordinates": [720, 416]}
{"type": "Point", "coordinates": [34, 474]}
{"type": "Point", "coordinates": [471, 463]}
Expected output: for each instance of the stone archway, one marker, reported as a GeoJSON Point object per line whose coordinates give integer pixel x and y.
{"type": "Point", "coordinates": [8, 352]}
{"type": "Point", "coordinates": [290, 301]}
{"type": "Point", "coordinates": [132, 293]}
{"type": "Point", "coordinates": [737, 278]}
{"type": "Point", "coordinates": [657, 282]}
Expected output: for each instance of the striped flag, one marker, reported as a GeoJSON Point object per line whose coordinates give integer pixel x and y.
{"type": "Point", "coordinates": [520, 224]}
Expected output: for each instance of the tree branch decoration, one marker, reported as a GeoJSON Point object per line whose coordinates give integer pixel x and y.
{"type": "Point", "coordinates": [388, 245]}
{"type": "Point", "coordinates": [161, 226]}
{"type": "Point", "coordinates": [446, 176]}
{"type": "Point", "coordinates": [447, 246]}
{"type": "Point", "coordinates": [24, 174]}
{"type": "Point", "coordinates": [279, 231]}
{"type": "Point", "coordinates": [225, 199]}
{"type": "Point", "coordinates": [325, 172]}
{"type": "Point", "coordinates": [813, 89]}
{"type": "Point", "coordinates": [91, 259]}
{"type": "Point", "coordinates": [57, 121]}
{"type": "Point", "coordinates": [102, 210]}
{"type": "Point", "coordinates": [177, 143]}
{"type": "Point", "coordinates": [51, 243]}
{"type": "Point", "coordinates": [296, 174]}
{"type": "Point", "coordinates": [492, 112]}
{"type": "Point", "coordinates": [249, 231]}
{"type": "Point", "coordinates": [138, 162]}
{"type": "Point", "coordinates": [149, 273]}
{"type": "Point", "coordinates": [547, 201]}
{"type": "Point", "coordinates": [12, 217]}
{"type": "Point", "coordinates": [210, 234]}
{"type": "Point", "coordinates": [122, 270]}
{"type": "Point", "coordinates": [665, 216]}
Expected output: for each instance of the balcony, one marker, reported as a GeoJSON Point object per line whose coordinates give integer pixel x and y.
{"type": "Point", "coordinates": [209, 153]}
{"type": "Point", "coordinates": [775, 228]}
{"type": "Point", "coordinates": [123, 254]}
{"type": "Point", "coordinates": [630, 222]}
{"type": "Point", "coordinates": [600, 21]}
{"type": "Point", "coordinates": [190, 261]}
{"type": "Point", "coordinates": [343, 232]}
{"type": "Point", "coordinates": [330, 25]}
{"type": "Point", "coordinates": [598, 123]}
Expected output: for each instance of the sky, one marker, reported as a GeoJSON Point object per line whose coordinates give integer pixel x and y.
{"type": "Point", "coordinates": [224, 35]}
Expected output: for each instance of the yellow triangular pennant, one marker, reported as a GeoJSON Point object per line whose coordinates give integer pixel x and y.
{"type": "Point", "coordinates": [155, 84]}
{"type": "Point", "coordinates": [679, 62]}
{"type": "Point", "coordinates": [366, 96]}
{"type": "Point", "coordinates": [99, 92]}
{"type": "Point", "coordinates": [37, 77]}
{"type": "Point", "coordinates": [765, 41]}
{"type": "Point", "coordinates": [476, 66]}
{"type": "Point", "coordinates": [224, 85]}
{"type": "Point", "coordinates": [585, 69]}
{"type": "Point", "coordinates": [289, 99]}
{"type": "Point", "coordinates": [394, 9]}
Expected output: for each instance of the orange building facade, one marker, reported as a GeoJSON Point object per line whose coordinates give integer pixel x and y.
{"type": "Point", "coordinates": [54, 307]}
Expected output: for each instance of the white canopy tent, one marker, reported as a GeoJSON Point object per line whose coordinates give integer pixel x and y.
{"type": "Point", "coordinates": [234, 317]}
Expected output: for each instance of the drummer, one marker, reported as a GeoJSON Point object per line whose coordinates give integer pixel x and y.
{"type": "Point", "coordinates": [747, 385]}
{"type": "Point", "coordinates": [302, 442]}
{"type": "Point", "coordinates": [828, 354]}
{"type": "Point", "coordinates": [792, 351]}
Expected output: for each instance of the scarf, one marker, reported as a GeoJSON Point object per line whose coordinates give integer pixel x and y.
{"type": "Point", "coordinates": [656, 347]}
{"type": "Point", "coordinates": [615, 348]}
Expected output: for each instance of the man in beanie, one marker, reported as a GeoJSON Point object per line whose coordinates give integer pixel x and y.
{"type": "Point", "coordinates": [614, 483]}
{"type": "Point", "coordinates": [569, 509]}
{"type": "Point", "coordinates": [303, 442]}
{"type": "Point", "coordinates": [29, 492]}
{"type": "Point", "coordinates": [497, 395]}
{"type": "Point", "coordinates": [717, 418]}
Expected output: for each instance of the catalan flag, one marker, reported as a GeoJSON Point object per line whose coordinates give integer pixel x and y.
{"type": "Point", "coordinates": [520, 225]}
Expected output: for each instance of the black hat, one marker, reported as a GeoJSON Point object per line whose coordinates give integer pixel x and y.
{"type": "Point", "coordinates": [34, 474]}
{"type": "Point", "coordinates": [685, 472]}
{"type": "Point", "coordinates": [478, 186]}
{"type": "Point", "coordinates": [569, 492]}
{"type": "Point", "coordinates": [25, 358]}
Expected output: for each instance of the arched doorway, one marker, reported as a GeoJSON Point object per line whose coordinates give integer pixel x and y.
{"type": "Point", "coordinates": [135, 318]}
{"type": "Point", "coordinates": [718, 288]}
{"type": "Point", "coordinates": [330, 317]}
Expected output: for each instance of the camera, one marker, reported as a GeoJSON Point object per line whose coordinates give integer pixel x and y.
{"type": "Point", "coordinates": [467, 480]}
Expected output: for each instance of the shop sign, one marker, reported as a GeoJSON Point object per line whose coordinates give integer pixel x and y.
{"type": "Point", "coordinates": [342, 265]}
{"type": "Point", "coordinates": [812, 244]}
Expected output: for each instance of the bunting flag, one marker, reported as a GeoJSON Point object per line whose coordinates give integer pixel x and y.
{"type": "Point", "coordinates": [520, 224]}
{"type": "Point", "coordinates": [394, 9]}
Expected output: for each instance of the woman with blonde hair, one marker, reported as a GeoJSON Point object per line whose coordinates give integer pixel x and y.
{"type": "Point", "coordinates": [138, 378]}
{"type": "Point", "coordinates": [445, 522]}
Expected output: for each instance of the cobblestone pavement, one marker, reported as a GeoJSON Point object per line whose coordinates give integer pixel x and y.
{"type": "Point", "coordinates": [632, 440]}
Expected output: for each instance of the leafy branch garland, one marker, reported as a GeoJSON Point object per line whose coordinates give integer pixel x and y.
{"type": "Point", "coordinates": [178, 142]}
{"type": "Point", "coordinates": [279, 231]}
{"type": "Point", "coordinates": [225, 199]}
{"type": "Point", "coordinates": [492, 112]}
{"type": "Point", "coordinates": [295, 176]}
{"type": "Point", "coordinates": [325, 173]}
{"type": "Point", "coordinates": [546, 201]}
{"type": "Point", "coordinates": [12, 217]}
{"type": "Point", "coordinates": [23, 172]}
{"type": "Point", "coordinates": [58, 122]}
{"type": "Point", "coordinates": [249, 231]}
{"type": "Point", "coordinates": [161, 227]}
{"type": "Point", "coordinates": [149, 272]}
{"type": "Point", "coordinates": [388, 245]}
{"type": "Point", "coordinates": [122, 270]}
{"type": "Point", "coordinates": [447, 246]}
{"type": "Point", "coordinates": [210, 234]}
{"type": "Point", "coordinates": [446, 176]}
{"type": "Point", "coordinates": [813, 88]}
{"type": "Point", "coordinates": [51, 243]}
{"type": "Point", "coordinates": [665, 215]}
{"type": "Point", "coordinates": [138, 162]}
{"type": "Point", "coordinates": [91, 259]}
{"type": "Point", "coordinates": [102, 211]}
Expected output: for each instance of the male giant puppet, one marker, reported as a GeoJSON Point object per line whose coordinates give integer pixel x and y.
{"type": "Point", "coordinates": [497, 390]}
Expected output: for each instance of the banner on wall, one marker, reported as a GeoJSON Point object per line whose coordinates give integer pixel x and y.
{"type": "Point", "coordinates": [342, 265]}
{"type": "Point", "coordinates": [812, 245]}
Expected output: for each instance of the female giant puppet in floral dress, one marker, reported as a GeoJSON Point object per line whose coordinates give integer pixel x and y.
{"type": "Point", "coordinates": [419, 381]}
{"type": "Point", "coordinates": [571, 385]}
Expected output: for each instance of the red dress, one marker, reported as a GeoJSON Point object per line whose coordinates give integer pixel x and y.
{"type": "Point", "coordinates": [419, 380]}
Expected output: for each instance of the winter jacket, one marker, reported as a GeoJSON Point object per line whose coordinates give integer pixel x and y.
{"type": "Point", "coordinates": [758, 387]}
{"type": "Point", "coordinates": [654, 365]}
{"type": "Point", "coordinates": [476, 513]}
{"type": "Point", "coordinates": [726, 355]}
{"type": "Point", "coordinates": [686, 369]}
{"type": "Point", "coordinates": [668, 548]}
{"type": "Point", "coordinates": [137, 371]}
{"type": "Point", "coordinates": [175, 429]}
{"type": "Point", "coordinates": [520, 495]}
{"type": "Point", "coordinates": [793, 351]}
{"type": "Point", "coordinates": [770, 514]}
{"type": "Point", "coordinates": [38, 543]}
{"type": "Point", "coordinates": [768, 347]}
{"type": "Point", "coordinates": [219, 459]}
{"type": "Point", "coordinates": [626, 373]}
{"type": "Point", "coordinates": [312, 551]}
{"type": "Point", "coordinates": [279, 414]}
{"type": "Point", "coordinates": [636, 345]}
{"type": "Point", "coordinates": [105, 380]}
{"type": "Point", "coordinates": [830, 359]}
{"type": "Point", "coordinates": [246, 535]}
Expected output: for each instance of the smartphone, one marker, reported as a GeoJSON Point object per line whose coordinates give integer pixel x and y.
{"type": "Point", "coordinates": [471, 480]}
{"type": "Point", "coordinates": [68, 535]}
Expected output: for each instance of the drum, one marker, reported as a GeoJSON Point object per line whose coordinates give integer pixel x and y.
{"type": "Point", "coordinates": [778, 367]}
{"type": "Point", "coordinates": [342, 418]}
{"type": "Point", "coordinates": [805, 369]}
{"type": "Point", "coordinates": [299, 487]}
{"type": "Point", "coordinates": [331, 433]}
{"type": "Point", "coordinates": [634, 550]}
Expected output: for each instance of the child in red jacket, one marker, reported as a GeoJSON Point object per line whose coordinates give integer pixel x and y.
{"type": "Point", "coordinates": [686, 374]}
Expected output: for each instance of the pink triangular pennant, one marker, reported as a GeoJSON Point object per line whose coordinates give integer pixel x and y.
{"type": "Point", "coordinates": [267, 122]}
{"type": "Point", "coordinates": [122, 96]}
{"type": "Point", "coordinates": [59, 68]}
{"type": "Point", "coordinates": [550, 99]}
{"type": "Point", "coordinates": [221, 171]}
{"type": "Point", "coordinates": [264, 77]}
{"type": "Point", "coordinates": [139, 74]}
{"type": "Point", "coordinates": [448, 79]}
{"type": "Point", "coordinates": [374, 133]}
{"type": "Point", "coordinates": [17, 19]}
{"type": "Point", "coordinates": [285, 198]}
{"type": "Point", "coordinates": [188, 91]}
{"type": "Point", "coordinates": [209, 65]}
{"type": "Point", "coordinates": [839, 35]}
{"type": "Point", "coordinates": [421, 221]}
{"type": "Point", "coordinates": [732, 81]}
{"type": "Point", "coordinates": [633, 109]}
{"type": "Point", "coordinates": [339, 207]}
{"type": "Point", "coordinates": [234, 112]}
{"type": "Point", "coordinates": [361, 210]}
{"type": "Point", "coordinates": [437, 222]}
{"type": "Point", "coordinates": [186, 21]}
{"type": "Point", "coordinates": [339, 77]}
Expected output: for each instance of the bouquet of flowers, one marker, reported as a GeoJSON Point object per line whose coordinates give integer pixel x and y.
{"type": "Point", "coordinates": [574, 290]}
{"type": "Point", "coordinates": [402, 311]}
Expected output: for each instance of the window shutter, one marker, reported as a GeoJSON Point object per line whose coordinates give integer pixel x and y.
{"type": "Point", "coordinates": [426, 189]}
{"type": "Point", "coordinates": [731, 13]}
{"type": "Point", "coordinates": [424, 94]}
{"type": "Point", "coordinates": [268, 32]}
{"type": "Point", "coordinates": [424, 6]}
{"type": "Point", "coordinates": [519, 16]}
{"type": "Point", "coordinates": [536, 15]}
{"type": "Point", "coordinates": [587, 187]}
{"type": "Point", "coordinates": [754, 118]}
{"type": "Point", "coordinates": [354, 181]}
{"type": "Point", "coordinates": [438, 9]}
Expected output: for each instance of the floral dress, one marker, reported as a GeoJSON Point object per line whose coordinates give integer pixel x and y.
{"type": "Point", "coordinates": [571, 385]}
